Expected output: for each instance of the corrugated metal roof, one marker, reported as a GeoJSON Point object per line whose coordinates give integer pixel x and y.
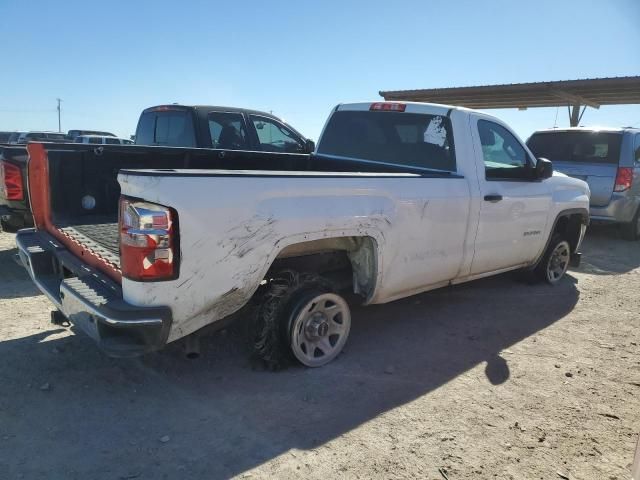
{"type": "Point", "coordinates": [589, 91]}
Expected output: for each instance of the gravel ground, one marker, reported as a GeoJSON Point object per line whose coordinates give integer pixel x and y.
{"type": "Point", "coordinates": [492, 379]}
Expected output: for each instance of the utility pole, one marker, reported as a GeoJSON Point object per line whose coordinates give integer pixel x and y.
{"type": "Point", "coordinates": [59, 124]}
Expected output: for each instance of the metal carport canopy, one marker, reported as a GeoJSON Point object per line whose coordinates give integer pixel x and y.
{"type": "Point", "coordinates": [591, 92]}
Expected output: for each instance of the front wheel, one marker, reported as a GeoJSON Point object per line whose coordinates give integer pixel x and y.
{"type": "Point", "coordinates": [555, 262]}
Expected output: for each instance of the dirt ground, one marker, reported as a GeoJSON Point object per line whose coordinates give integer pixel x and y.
{"type": "Point", "coordinates": [492, 379]}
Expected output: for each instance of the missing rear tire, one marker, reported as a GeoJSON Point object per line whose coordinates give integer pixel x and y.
{"type": "Point", "coordinates": [299, 317]}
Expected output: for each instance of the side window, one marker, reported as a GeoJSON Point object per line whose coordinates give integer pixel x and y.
{"type": "Point", "coordinates": [227, 131]}
{"type": "Point", "coordinates": [112, 140]}
{"type": "Point", "coordinates": [504, 156]}
{"type": "Point", "coordinates": [95, 140]}
{"type": "Point", "coordinates": [146, 128]}
{"type": "Point", "coordinates": [275, 137]}
{"type": "Point", "coordinates": [174, 129]}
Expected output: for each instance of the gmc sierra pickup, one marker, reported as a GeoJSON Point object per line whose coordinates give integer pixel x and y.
{"type": "Point", "coordinates": [398, 198]}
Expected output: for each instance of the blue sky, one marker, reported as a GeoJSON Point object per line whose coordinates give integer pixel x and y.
{"type": "Point", "coordinates": [109, 60]}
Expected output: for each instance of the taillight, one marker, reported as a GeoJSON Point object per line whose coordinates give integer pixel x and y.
{"type": "Point", "coordinates": [388, 106]}
{"type": "Point", "coordinates": [11, 181]}
{"type": "Point", "coordinates": [148, 241]}
{"type": "Point", "coordinates": [624, 179]}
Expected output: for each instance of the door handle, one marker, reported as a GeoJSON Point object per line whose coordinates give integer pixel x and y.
{"type": "Point", "coordinates": [492, 198]}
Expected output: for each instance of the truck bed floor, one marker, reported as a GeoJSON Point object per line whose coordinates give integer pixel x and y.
{"type": "Point", "coordinates": [101, 238]}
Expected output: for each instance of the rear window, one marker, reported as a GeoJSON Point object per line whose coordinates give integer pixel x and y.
{"type": "Point", "coordinates": [411, 139]}
{"type": "Point", "coordinates": [173, 128]}
{"type": "Point", "coordinates": [586, 147]}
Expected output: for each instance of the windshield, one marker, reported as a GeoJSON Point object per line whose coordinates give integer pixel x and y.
{"type": "Point", "coordinates": [412, 139]}
{"type": "Point", "coordinates": [578, 146]}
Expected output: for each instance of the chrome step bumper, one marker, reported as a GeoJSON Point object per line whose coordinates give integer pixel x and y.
{"type": "Point", "coordinates": [90, 300]}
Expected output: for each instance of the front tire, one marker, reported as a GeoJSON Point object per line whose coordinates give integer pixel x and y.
{"type": "Point", "coordinates": [631, 230]}
{"type": "Point", "coordinates": [299, 317]}
{"type": "Point", "coordinates": [555, 261]}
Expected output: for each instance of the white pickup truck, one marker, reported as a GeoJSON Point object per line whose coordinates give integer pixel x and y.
{"type": "Point", "coordinates": [398, 198]}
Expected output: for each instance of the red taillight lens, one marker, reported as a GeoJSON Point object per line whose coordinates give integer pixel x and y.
{"type": "Point", "coordinates": [388, 107]}
{"type": "Point", "coordinates": [148, 241]}
{"type": "Point", "coordinates": [11, 181]}
{"type": "Point", "coordinates": [624, 179]}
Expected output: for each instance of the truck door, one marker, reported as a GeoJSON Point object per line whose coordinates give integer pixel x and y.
{"type": "Point", "coordinates": [514, 206]}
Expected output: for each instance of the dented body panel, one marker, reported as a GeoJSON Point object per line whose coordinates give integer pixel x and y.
{"type": "Point", "coordinates": [227, 250]}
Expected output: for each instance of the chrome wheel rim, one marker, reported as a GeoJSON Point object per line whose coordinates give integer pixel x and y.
{"type": "Point", "coordinates": [558, 262]}
{"type": "Point", "coordinates": [320, 330]}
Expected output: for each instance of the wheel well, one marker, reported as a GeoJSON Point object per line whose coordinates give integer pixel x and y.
{"type": "Point", "coordinates": [569, 226]}
{"type": "Point", "coordinates": [347, 262]}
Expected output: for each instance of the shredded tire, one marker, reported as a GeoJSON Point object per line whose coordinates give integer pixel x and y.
{"type": "Point", "coordinates": [269, 327]}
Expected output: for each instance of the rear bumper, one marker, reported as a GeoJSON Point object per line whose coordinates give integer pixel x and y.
{"type": "Point", "coordinates": [620, 209]}
{"type": "Point", "coordinates": [91, 300]}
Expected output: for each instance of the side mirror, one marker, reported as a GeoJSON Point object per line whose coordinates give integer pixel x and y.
{"type": "Point", "coordinates": [309, 146]}
{"type": "Point", "coordinates": [544, 168]}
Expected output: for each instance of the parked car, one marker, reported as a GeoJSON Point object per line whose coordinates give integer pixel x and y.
{"type": "Point", "coordinates": [218, 127]}
{"type": "Point", "coordinates": [73, 134]}
{"type": "Point", "coordinates": [166, 125]}
{"type": "Point", "coordinates": [399, 198]}
{"type": "Point", "coordinates": [13, 138]}
{"type": "Point", "coordinates": [14, 200]}
{"type": "Point", "coordinates": [102, 140]}
{"type": "Point", "coordinates": [15, 212]}
{"type": "Point", "coordinates": [608, 159]}
{"type": "Point", "coordinates": [27, 137]}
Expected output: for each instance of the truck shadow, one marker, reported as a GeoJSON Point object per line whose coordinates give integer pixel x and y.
{"type": "Point", "coordinates": [164, 416]}
{"type": "Point", "coordinates": [606, 253]}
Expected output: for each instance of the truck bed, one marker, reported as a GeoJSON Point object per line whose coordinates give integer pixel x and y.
{"type": "Point", "coordinates": [80, 175]}
{"type": "Point", "coordinates": [99, 235]}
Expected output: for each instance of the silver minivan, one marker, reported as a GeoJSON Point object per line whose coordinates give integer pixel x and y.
{"type": "Point", "coordinates": [608, 159]}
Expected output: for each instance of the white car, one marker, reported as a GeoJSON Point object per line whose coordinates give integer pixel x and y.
{"type": "Point", "coordinates": [102, 140]}
{"type": "Point", "coordinates": [397, 199]}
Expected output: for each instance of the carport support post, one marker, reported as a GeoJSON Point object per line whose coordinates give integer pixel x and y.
{"type": "Point", "coordinates": [575, 115]}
